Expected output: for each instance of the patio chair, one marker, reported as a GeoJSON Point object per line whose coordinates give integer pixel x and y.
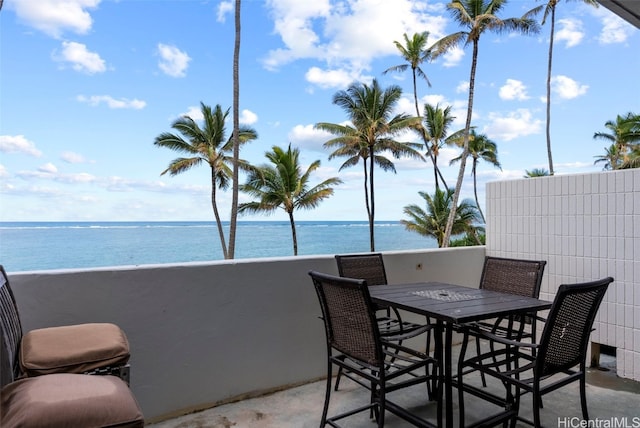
{"type": "Point", "coordinates": [91, 348]}
{"type": "Point", "coordinates": [370, 267]}
{"type": "Point", "coordinates": [513, 276]}
{"type": "Point", "coordinates": [355, 344]}
{"type": "Point", "coordinates": [562, 347]}
{"type": "Point", "coordinates": [58, 400]}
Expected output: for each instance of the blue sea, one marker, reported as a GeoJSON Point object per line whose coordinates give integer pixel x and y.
{"type": "Point", "coordinates": [26, 246]}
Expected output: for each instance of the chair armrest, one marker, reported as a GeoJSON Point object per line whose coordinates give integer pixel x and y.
{"type": "Point", "coordinates": [500, 339]}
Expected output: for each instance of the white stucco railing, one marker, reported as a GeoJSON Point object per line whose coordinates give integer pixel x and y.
{"type": "Point", "coordinates": [206, 333]}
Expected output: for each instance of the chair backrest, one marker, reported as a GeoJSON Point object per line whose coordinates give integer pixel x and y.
{"type": "Point", "coordinates": [566, 333]}
{"type": "Point", "coordinates": [513, 276]}
{"type": "Point", "coordinates": [11, 331]}
{"type": "Point", "coordinates": [349, 318]}
{"type": "Point", "coordinates": [369, 267]}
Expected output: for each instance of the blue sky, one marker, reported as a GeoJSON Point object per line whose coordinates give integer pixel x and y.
{"type": "Point", "coordinates": [87, 85]}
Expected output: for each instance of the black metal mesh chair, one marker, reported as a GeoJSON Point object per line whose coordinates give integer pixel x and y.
{"type": "Point", "coordinates": [562, 347]}
{"type": "Point", "coordinates": [354, 343]}
{"type": "Point", "coordinates": [512, 276]}
{"type": "Point", "coordinates": [370, 267]}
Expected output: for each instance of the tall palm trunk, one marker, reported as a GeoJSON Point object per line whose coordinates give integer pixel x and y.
{"type": "Point", "coordinates": [294, 236]}
{"type": "Point", "coordinates": [436, 170]}
{"type": "Point", "coordinates": [475, 189]}
{"type": "Point", "coordinates": [465, 149]}
{"type": "Point", "coordinates": [373, 208]}
{"type": "Point", "coordinates": [553, 24]}
{"type": "Point", "coordinates": [217, 214]}
{"type": "Point", "coordinates": [236, 136]}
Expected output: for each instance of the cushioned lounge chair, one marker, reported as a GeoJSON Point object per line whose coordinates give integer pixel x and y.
{"type": "Point", "coordinates": [91, 348]}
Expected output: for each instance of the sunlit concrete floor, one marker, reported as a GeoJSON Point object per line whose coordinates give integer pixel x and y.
{"type": "Point", "coordinates": [613, 403]}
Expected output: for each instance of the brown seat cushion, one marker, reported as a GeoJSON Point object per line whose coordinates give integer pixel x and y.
{"type": "Point", "coordinates": [69, 400]}
{"type": "Point", "coordinates": [73, 349]}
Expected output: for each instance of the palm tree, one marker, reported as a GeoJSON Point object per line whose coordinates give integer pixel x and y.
{"type": "Point", "coordinates": [624, 134]}
{"type": "Point", "coordinates": [284, 185]}
{"type": "Point", "coordinates": [206, 145]}
{"type": "Point", "coordinates": [477, 16]}
{"type": "Point", "coordinates": [480, 148]}
{"type": "Point", "coordinates": [433, 221]}
{"type": "Point", "coordinates": [235, 136]}
{"type": "Point", "coordinates": [371, 132]}
{"type": "Point", "coordinates": [611, 158]}
{"type": "Point", "coordinates": [437, 122]}
{"type": "Point", "coordinates": [536, 172]}
{"type": "Point", "coordinates": [550, 10]}
{"type": "Point", "coordinates": [415, 52]}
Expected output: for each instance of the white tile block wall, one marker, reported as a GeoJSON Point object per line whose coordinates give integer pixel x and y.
{"type": "Point", "coordinates": [586, 227]}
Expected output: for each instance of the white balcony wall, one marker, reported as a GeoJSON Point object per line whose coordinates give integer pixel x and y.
{"type": "Point", "coordinates": [207, 333]}
{"type": "Point", "coordinates": [587, 227]}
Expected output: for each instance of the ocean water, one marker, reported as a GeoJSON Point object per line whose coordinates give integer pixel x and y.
{"type": "Point", "coordinates": [27, 246]}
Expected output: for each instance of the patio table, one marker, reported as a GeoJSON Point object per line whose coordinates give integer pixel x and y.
{"type": "Point", "coordinates": [450, 305]}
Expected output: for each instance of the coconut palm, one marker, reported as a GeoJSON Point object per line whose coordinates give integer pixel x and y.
{"type": "Point", "coordinates": [370, 133]}
{"type": "Point", "coordinates": [476, 16]}
{"type": "Point", "coordinates": [235, 136]}
{"type": "Point", "coordinates": [433, 221]}
{"type": "Point", "coordinates": [550, 11]}
{"type": "Point", "coordinates": [284, 184]}
{"type": "Point", "coordinates": [480, 148]}
{"type": "Point", "coordinates": [611, 158]}
{"type": "Point", "coordinates": [415, 52]}
{"type": "Point", "coordinates": [624, 134]}
{"type": "Point", "coordinates": [436, 121]}
{"type": "Point", "coordinates": [206, 145]}
{"type": "Point", "coordinates": [536, 172]}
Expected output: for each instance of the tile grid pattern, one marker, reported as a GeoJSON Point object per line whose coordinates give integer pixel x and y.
{"type": "Point", "coordinates": [586, 226]}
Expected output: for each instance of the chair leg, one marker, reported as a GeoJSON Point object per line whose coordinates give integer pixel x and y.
{"type": "Point", "coordinates": [583, 397]}
{"type": "Point", "coordinates": [484, 380]}
{"type": "Point", "coordinates": [381, 406]}
{"type": "Point", "coordinates": [327, 396]}
{"type": "Point", "coordinates": [536, 408]}
{"type": "Point", "coordinates": [463, 351]}
{"type": "Point", "coordinates": [338, 376]}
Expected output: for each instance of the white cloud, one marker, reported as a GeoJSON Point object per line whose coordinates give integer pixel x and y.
{"type": "Point", "coordinates": [567, 88]}
{"type": "Point", "coordinates": [339, 78]}
{"type": "Point", "coordinates": [570, 31]}
{"type": "Point", "coordinates": [18, 144]}
{"type": "Point", "coordinates": [307, 137]}
{"type": "Point", "coordinates": [453, 57]}
{"type": "Point", "coordinates": [513, 90]}
{"type": "Point", "coordinates": [614, 28]}
{"type": "Point", "coordinates": [3, 172]}
{"type": "Point", "coordinates": [515, 124]}
{"type": "Point", "coordinates": [344, 36]}
{"type": "Point", "coordinates": [53, 17]}
{"type": "Point", "coordinates": [194, 112]}
{"type": "Point", "coordinates": [224, 8]}
{"type": "Point", "coordinates": [80, 58]}
{"type": "Point", "coordinates": [111, 102]}
{"type": "Point", "coordinates": [463, 87]}
{"type": "Point", "coordinates": [71, 157]}
{"type": "Point", "coordinates": [48, 168]}
{"type": "Point", "coordinates": [173, 61]}
{"type": "Point", "coordinates": [247, 117]}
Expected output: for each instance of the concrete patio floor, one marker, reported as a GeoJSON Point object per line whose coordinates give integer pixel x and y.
{"type": "Point", "coordinates": [613, 403]}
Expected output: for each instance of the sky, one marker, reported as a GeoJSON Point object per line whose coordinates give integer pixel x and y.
{"type": "Point", "coordinates": [87, 85]}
